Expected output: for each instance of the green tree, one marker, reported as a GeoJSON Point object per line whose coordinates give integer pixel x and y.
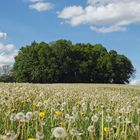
{"type": "Point", "coordinates": [62, 61]}
{"type": "Point", "coordinates": [7, 78]}
{"type": "Point", "coordinates": [122, 68]}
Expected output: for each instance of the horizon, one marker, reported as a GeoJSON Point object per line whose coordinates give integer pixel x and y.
{"type": "Point", "coordinates": [84, 21]}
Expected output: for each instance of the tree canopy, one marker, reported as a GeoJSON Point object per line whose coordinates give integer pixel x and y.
{"type": "Point", "coordinates": [63, 62]}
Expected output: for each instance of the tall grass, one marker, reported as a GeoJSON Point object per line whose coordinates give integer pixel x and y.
{"type": "Point", "coordinates": [69, 112]}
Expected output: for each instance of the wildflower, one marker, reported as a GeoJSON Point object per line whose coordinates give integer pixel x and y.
{"type": "Point", "coordinates": [58, 113]}
{"type": "Point", "coordinates": [10, 136]}
{"type": "Point", "coordinates": [31, 139]}
{"type": "Point", "coordinates": [91, 106]}
{"type": "Point", "coordinates": [75, 114]}
{"type": "Point", "coordinates": [12, 117]}
{"type": "Point", "coordinates": [84, 107]}
{"type": "Point", "coordinates": [29, 115]}
{"type": "Point", "coordinates": [59, 132]}
{"type": "Point", "coordinates": [39, 135]}
{"type": "Point", "coordinates": [42, 114]}
{"type": "Point", "coordinates": [108, 119]}
{"type": "Point", "coordinates": [122, 110]}
{"type": "Point", "coordinates": [91, 129]}
{"type": "Point", "coordinates": [106, 129]}
{"type": "Point", "coordinates": [120, 119]}
{"type": "Point", "coordinates": [70, 119]}
{"type": "Point", "coordinates": [95, 118]}
{"type": "Point", "coordinates": [75, 132]}
{"type": "Point", "coordinates": [20, 117]}
{"type": "Point", "coordinates": [39, 104]}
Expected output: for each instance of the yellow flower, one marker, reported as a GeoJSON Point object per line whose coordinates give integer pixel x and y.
{"type": "Point", "coordinates": [42, 114]}
{"type": "Point", "coordinates": [31, 139]}
{"type": "Point", "coordinates": [58, 113]}
{"type": "Point", "coordinates": [106, 129]}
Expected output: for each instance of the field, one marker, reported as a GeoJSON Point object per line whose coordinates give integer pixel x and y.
{"type": "Point", "coordinates": [69, 112]}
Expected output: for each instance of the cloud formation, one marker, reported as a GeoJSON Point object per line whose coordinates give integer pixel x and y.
{"type": "Point", "coordinates": [7, 51]}
{"type": "Point", "coordinates": [40, 5]}
{"type": "Point", "coordinates": [3, 36]}
{"type": "Point", "coordinates": [103, 15]}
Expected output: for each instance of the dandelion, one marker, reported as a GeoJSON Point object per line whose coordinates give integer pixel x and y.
{"type": "Point", "coordinates": [106, 129]}
{"type": "Point", "coordinates": [108, 119]}
{"type": "Point", "coordinates": [91, 129]}
{"type": "Point", "coordinates": [29, 115]}
{"type": "Point", "coordinates": [91, 106]}
{"type": "Point", "coordinates": [9, 136]}
{"type": "Point", "coordinates": [39, 135]}
{"type": "Point", "coordinates": [12, 117]}
{"type": "Point", "coordinates": [20, 117]}
{"type": "Point", "coordinates": [31, 139]}
{"type": "Point", "coordinates": [84, 107]}
{"type": "Point", "coordinates": [112, 114]}
{"type": "Point", "coordinates": [95, 118]}
{"type": "Point", "coordinates": [58, 113]}
{"type": "Point", "coordinates": [42, 114]}
{"type": "Point", "coordinates": [75, 132]}
{"type": "Point", "coordinates": [59, 132]}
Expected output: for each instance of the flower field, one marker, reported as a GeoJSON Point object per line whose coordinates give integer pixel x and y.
{"type": "Point", "coordinates": [69, 112]}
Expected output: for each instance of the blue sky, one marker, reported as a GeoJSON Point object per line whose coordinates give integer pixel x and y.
{"type": "Point", "coordinates": [114, 24]}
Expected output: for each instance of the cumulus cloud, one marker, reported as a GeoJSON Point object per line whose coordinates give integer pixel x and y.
{"type": "Point", "coordinates": [135, 82]}
{"type": "Point", "coordinates": [40, 5]}
{"type": "Point", "coordinates": [103, 15]}
{"type": "Point", "coordinates": [71, 12]}
{"type": "Point", "coordinates": [7, 51]}
{"type": "Point", "coordinates": [3, 35]}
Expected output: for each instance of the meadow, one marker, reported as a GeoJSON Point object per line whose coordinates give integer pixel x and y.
{"type": "Point", "coordinates": [69, 112]}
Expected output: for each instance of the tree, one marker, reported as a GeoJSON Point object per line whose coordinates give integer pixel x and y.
{"type": "Point", "coordinates": [122, 68]}
{"type": "Point", "coordinates": [62, 61]}
{"type": "Point", "coordinates": [7, 78]}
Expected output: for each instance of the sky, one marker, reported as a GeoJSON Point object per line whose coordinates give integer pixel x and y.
{"type": "Point", "coordinates": [113, 23]}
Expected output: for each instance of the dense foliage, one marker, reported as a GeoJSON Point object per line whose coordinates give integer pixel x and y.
{"type": "Point", "coordinates": [7, 78]}
{"type": "Point", "coordinates": [63, 62]}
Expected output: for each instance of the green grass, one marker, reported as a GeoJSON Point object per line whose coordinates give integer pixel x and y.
{"type": "Point", "coordinates": [69, 112]}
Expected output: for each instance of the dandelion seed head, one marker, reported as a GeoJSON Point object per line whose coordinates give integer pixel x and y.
{"type": "Point", "coordinates": [59, 132]}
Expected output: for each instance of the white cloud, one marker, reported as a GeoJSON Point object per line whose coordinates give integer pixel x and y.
{"type": "Point", "coordinates": [41, 6]}
{"type": "Point", "coordinates": [71, 12]}
{"type": "Point", "coordinates": [3, 36]}
{"type": "Point", "coordinates": [103, 15]}
{"type": "Point", "coordinates": [108, 29]}
{"type": "Point", "coordinates": [7, 53]}
{"type": "Point", "coordinates": [135, 82]}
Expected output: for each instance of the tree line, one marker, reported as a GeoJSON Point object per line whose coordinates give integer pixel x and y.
{"type": "Point", "coordinates": [62, 61]}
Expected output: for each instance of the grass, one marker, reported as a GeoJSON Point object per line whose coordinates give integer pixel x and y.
{"type": "Point", "coordinates": [69, 112]}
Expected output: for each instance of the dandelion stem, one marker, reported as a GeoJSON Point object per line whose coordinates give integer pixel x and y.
{"type": "Point", "coordinates": [102, 125]}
